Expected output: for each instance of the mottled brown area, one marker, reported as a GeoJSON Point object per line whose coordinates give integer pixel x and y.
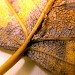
{"type": "Point", "coordinates": [56, 56]}
{"type": "Point", "coordinates": [60, 22]}
{"type": "Point", "coordinates": [52, 56]}
{"type": "Point", "coordinates": [11, 36]}
{"type": "Point", "coordinates": [32, 18]}
{"type": "Point", "coordinates": [34, 14]}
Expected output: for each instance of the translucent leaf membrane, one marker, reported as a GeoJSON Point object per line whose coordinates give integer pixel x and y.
{"type": "Point", "coordinates": [40, 4]}
{"type": "Point", "coordinates": [11, 34]}
{"type": "Point", "coordinates": [56, 56]}
{"type": "Point", "coordinates": [4, 14]}
{"type": "Point", "coordinates": [28, 11]}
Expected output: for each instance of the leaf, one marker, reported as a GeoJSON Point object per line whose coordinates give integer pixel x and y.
{"type": "Point", "coordinates": [56, 56]}
{"type": "Point", "coordinates": [29, 11]}
{"type": "Point", "coordinates": [12, 35]}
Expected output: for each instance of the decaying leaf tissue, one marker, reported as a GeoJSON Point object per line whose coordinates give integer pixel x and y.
{"type": "Point", "coordinates": [57, 56]}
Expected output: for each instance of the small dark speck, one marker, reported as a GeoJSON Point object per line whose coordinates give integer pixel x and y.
{"type": "Point", "coordinates": [73, 48]}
